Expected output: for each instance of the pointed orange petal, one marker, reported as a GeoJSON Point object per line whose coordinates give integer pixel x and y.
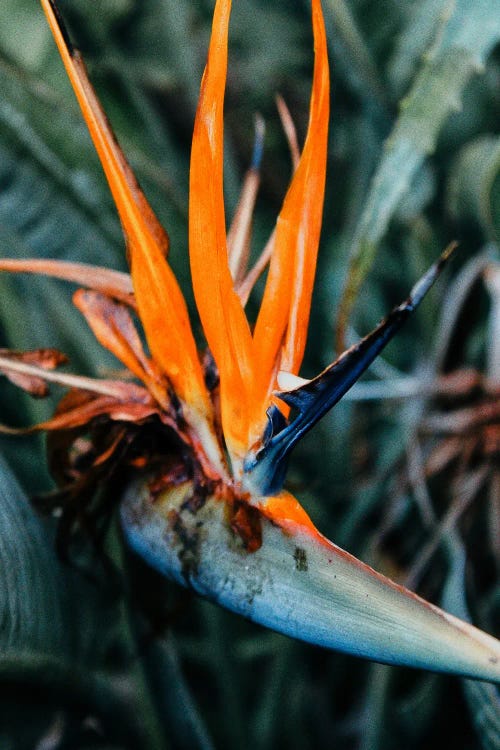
{"type": "Point", "coordinates": [284, 313]}
{"type": "Point", "coordinates": [284, 510]}
{"type": "Point", "coordinates": [222, 316]}
{"type": "Point", "coordinates": [161, 304]}
{"type": "Point", "coordinates": [136, 215]}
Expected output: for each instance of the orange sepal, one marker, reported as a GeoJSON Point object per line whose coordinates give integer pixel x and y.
{"type": "Point", "coordinates": [285, 511]}
{"type": "Point", "coordinates": [281, 328]}
{"type": "Point", "coordinates": [136, 215]}
{"type": "Point", "coordinates": [160, 302]}
{"type": "Point", "coordinates": [224, 322]}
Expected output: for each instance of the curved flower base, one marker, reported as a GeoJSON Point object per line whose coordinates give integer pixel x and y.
{"type": "Point", "coordinates": [299, 584]}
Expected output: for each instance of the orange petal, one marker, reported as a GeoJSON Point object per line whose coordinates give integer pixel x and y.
{"type": "Point", "coordinates": [284, 510]}
{"type": "Point", "coordinates": [159, 299]}
{"type": "Point", "coordinates": [281, 328]}
{"type": "Point", "coordinates": [136, 215]}
{"type": "Point", "coordinates": [222, 316]}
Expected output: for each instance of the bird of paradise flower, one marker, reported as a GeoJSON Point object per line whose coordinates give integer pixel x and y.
{"type": "Point", "coordinates": [206, 439]}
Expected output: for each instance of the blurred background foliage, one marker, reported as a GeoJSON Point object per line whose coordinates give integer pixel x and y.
{"type": "Point", "coordinates": [404, 472]}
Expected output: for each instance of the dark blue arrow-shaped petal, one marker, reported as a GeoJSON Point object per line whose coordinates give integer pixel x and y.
{"type": "Point", "coordinates": [311, 401]}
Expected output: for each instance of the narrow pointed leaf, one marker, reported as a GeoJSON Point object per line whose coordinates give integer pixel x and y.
{"type": "Point", "coordinates": [29, 579]}
{"type": "Point", "coordinates": [463, 38]}
{"type": "Point", "coordinates": [483, 699]}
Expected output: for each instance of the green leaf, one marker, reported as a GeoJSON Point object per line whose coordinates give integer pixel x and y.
{"type": "Point", "coordinates": [416, 35]}
{"type": "Point", "coordinates": [61, 634]}
{"type": "Point", "coordinates": [465, 37]}
{"type": "Point", "coordinates": [483, 699]}
{"type": "Point", "coordinates": [471, 183]}
{"type": "Point", "coordinates": [358, 54]}
{"type": "Point", "coordinates": [49, 138]}
{"type": "Point", "coordinates": [31, 615]}
{"type": "Point", "coordinates": [22, 36]}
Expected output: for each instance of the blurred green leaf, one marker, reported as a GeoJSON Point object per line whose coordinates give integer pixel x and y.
{"type": "Point", "coordinates": [463, 40]}
{"type": "Point", "coordinates": [22, 36]}
{"type": "Point", "coordinates": [360, 62]}
{"type": "Point", "coordinates": [61, 634]}
{"type": "Point", "coordinates": [483, 699]}
{"type": "Point", "coordinates": [471, 184]}
{"type": "Point", "coordinates": [31, 608]}
{"type": "Point", "coordinates": [415, 37]}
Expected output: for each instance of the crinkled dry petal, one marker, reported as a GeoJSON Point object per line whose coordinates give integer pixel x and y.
{"type": "Point", "coordinates": [46, 359]}
{"type": "Point", "coordinates": [113, 327]}
{"type": "Point", "coordinates": [281, 327]}
{"type": "Point", "coordinates": [116, 389]}
{"type": "Point", "coordinates": [90, 406]}
{"type": "Point", "coordinates": [113, 283]}
{"type": "Point", "coordinates": [224, 323]}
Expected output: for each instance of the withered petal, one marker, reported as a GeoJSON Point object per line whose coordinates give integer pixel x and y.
{"type": "Point", "coordinates": [88, 410]}
{"type": "Point", "coordinates": [113, 327]}
{"type": "Point", "coordinates": [45, 358]}
{"type": "Point", "coordinates": [113, 283]}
